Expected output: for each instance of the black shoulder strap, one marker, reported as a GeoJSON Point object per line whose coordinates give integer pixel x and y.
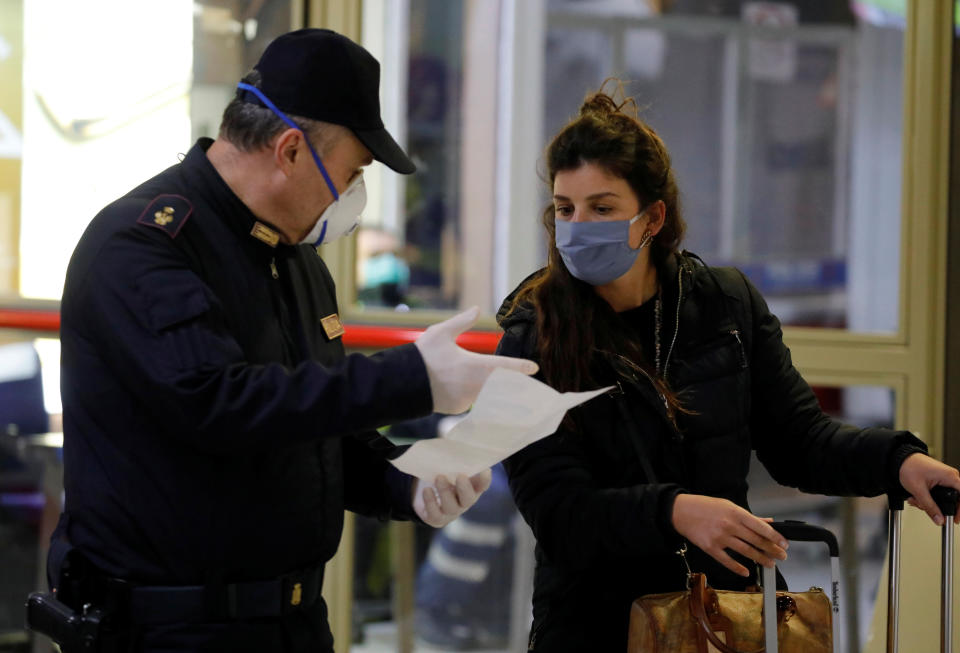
{"type": "Point", "coordinates": [635, 437]}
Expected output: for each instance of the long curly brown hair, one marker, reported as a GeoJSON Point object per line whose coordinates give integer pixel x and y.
{"type": "Point", "coordinates": [573, 322]}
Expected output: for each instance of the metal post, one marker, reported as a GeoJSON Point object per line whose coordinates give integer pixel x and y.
{"type": "Point", "coordinates": [946, 587]}
{"type": "Point", "coordinates": [402, 554]}
{"type": "Point", "coordinates": [770, 609]}
{"type": "Point", "coordinates": [521, 594]}
{"type": "Point", "coordinates": [946, 499]}
{"type": "Point", "coordinates": [835, 599]}
{"type": "Point", "coordinates": [893, 581]}
{"type": "Point", "coordinates": [850, 567]}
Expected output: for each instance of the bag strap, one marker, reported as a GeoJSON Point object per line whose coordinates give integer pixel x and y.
{"type": "Point", "coordinates": [698, 608]}
{"type": "Point", "coordinates": [636, 439]}
{"type": "Point", "coordinates": [701, 595]}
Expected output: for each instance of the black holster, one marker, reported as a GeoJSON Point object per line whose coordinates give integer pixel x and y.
{"type": "Point", "coordinates": [73, 631]}
{"type": "Point", "coordinates": [84, 611]}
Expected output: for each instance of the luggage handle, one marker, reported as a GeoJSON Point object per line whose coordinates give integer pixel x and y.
{"type": "Point", "coordinates": [947, 500]}
{"type": "Point", "coordinates": [799, 531]}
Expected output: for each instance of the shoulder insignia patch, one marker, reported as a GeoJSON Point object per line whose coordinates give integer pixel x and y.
{"type": "Point", "coordinates": [167, 212]}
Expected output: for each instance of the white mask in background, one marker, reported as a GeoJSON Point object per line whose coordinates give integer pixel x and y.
{"type": "Point", "coordinates": [342, 217]}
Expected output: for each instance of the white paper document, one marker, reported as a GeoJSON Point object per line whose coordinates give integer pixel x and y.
{"type": "Point", "coordinates": [511, 411]}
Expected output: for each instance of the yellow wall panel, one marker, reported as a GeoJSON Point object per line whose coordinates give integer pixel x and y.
{"type": "Point", "coordinates": [11, 123]}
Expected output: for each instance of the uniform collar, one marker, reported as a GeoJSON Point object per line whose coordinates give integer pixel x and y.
{"type": "Point", "coordinates": [207, 182]}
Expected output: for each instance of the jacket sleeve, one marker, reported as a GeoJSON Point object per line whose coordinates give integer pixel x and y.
{"type": "Point", "coordinates": [576, 521]}
{"type": "Point", "coordinates": [372, 485]}
{"type": "Point", "coordinates": [161, 332]}
{"type": "Point", "coordinates": [797, 442]}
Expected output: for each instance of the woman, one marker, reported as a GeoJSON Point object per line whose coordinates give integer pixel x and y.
{"type": "Point", "coordinates": [701, 377]}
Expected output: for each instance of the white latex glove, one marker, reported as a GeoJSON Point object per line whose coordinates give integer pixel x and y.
{"type": "Point", "coordinates": [441, 502]}
{"type": "Point", "coordinates": [456, 375]}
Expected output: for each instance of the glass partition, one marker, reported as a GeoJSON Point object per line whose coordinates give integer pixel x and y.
{"type": "Point", "coordinates": [410, 246]}
{"type": "Point", "coordinates": [783, 120]}
{"type": "Point", "coordinates": [104, 110]}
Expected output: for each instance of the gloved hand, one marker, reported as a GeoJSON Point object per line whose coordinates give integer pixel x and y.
{"type": "Point", "coordinates": [440, 502]}
{"type": "Point", "coordinates": [456, 375]}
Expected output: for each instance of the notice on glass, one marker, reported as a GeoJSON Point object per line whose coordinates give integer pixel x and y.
{"type": "Point", "coordinates": [511, 411]}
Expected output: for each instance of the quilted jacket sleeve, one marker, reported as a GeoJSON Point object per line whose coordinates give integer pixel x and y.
{"type": "Point", "coordinates": [799, 444]}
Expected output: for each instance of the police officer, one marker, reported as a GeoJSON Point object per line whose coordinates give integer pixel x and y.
{"type": "Point", "coordinates": [214, 430]}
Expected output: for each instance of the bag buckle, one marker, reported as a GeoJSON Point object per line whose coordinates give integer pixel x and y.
{"type": "Point", "coordinates": [682, 552]}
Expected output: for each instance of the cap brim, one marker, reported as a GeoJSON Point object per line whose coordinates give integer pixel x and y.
{"type": "Point", "coordinates": [385, 149]}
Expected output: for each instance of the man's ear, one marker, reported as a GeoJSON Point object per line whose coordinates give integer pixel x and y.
{"type": "Point", "coordinates": [286, 149]}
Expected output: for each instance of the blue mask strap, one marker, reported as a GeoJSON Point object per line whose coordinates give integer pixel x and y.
{"type": "Point", "coordinates": [270, 105]}
{"type": "Point", "coordinates": [323, 232]}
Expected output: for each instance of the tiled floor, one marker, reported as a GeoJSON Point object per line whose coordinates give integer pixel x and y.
{"type": "Point", "coordinates": [382, 638]}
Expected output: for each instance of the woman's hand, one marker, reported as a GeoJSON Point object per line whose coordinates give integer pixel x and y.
{"type": "Point", "coordinates": [717, 524]}
{"type": "Point", "coordinates": [918, 474]}
{"type": "Point", "coordinates": [440, 503]}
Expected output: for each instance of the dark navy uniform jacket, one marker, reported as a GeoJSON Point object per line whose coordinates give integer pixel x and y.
{"type": "Point", "coordinates": [211, 424]}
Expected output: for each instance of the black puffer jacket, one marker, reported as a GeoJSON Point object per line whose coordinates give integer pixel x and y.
{"type": "Point", "coordinates": [603, 533]}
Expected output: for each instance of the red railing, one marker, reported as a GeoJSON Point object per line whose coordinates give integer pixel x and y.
{"type": "Point", "coordinates": [365, 336]}
{"type": "Point", "coordinates": [30, 319]}
{"type": "Point", "coordinates": [356, 336]}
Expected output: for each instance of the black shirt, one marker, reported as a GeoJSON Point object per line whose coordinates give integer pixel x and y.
{"type": "Point", "coordinates": [641, 320]}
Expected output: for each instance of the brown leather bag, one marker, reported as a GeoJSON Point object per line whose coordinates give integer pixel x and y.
{"type": "Point", "coordinates": [704, 620]}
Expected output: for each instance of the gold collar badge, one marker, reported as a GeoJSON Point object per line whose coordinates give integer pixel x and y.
{"type": "Point", "coordinates": [265, 234]}
{"type": "Point", "coordinates": [332, 326]}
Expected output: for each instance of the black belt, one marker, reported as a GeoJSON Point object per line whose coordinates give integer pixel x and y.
{"type": "Point", "coordinates": [203, 603]}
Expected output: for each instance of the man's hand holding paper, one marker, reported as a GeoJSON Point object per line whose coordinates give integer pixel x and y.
{"type": "Point", "coordinates": [441, 502]}
{"type": "Point", "coordinates": [511, 411]}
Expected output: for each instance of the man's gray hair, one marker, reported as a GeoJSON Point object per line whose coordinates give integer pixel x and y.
{"type": "Point", "coordinates": [250, 127]}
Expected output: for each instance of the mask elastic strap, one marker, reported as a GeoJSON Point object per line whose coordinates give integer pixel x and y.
{"type": "Point", "coordinates": [323, 232]}
{"type": "Point", "coordinates": [270, 105]}
{"type": "Point", "coordinates": [646, 241]}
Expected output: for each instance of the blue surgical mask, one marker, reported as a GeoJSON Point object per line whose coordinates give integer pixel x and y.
{"type": "Point", "coordinates": [597, 252]}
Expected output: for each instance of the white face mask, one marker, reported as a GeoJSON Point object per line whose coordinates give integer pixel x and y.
{"type": "Point", "coordinates": [342, 217]}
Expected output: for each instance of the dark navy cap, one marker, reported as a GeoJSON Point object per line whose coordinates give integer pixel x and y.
{"type": "Point", "coordinates": [322, 75]}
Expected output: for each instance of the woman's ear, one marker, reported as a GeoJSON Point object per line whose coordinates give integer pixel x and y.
{"type": "Point", "coordinates": [657, 215]}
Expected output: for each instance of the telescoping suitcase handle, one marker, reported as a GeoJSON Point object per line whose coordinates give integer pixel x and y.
{"type": "Point", "coordinates": [798, 531]}
{"type": "Point", "coordinates": [947, 500]}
